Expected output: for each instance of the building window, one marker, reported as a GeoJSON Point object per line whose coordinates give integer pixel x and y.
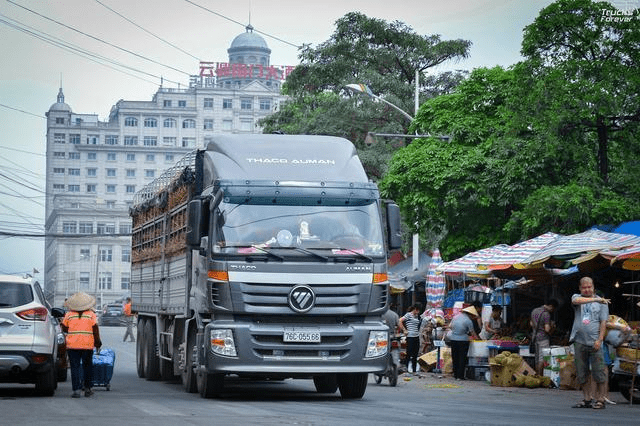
{"type": "Point", "coordinates": [125, 228]}
{"type": "Point", "coordinates": [167, 103]}
{"type": "Point", "coordinates": [92, 156]}
{"type": "Point", "coordinates": [124, 282]}
{"type": "Point", "coordinates": [106, 253]}
{"type": "Point", "coordinates": [59, 120]}
{"type": "Point", "coordinates": [111, 189]}
{"type": "Point", "coordinates": [58, 187]}
{"type": "Point", "coordinates": [74, 205]}
{"type": "Point", "coordinates": [226, 124]}
{"type": "Point", "coordinates": [169, 141]}
{"type": "Point", "coordinates": [126, 254]}
{"type": "Point", "coordinates": [110, 205]}
{"type": "Point", "coordinates": [131, 140]}
{"type": "Point", "coordinates": [182, 104]}
{"type": "Point", "coordinates": [86, 228]}
{"type": "Point", "coordinates": [150, 158]}
{"type": "Point", "coordinates": [93, 139]}
{"type": "Point", "coordinates": [150, 141]}
{"type": "Point", "coordinates": [131, 189]}
{"type": "Point", "coordinates": [85, 254]}
{"type": "Point", "coordinates": [74, 172]}
{"type": "Point", "coordinates": [74, 139]}
{"type": "Point", "coordinates": [104, 281]}
{"type": "Point", "coordinates": [208, 103]}
{"type": "Point", "coordinates": [59, 138]}
{"type": "Point", "coordinates": [208, 124]}
{"type": "Point", "coordinates": [110, 228]}
{"type": "Point", "coordinates": [59, 154]}
{"type": "Point", "coordinates": [168, 158]}
{"type": "Point", "coordinates": [73, 188]}
{"type": "Point", "coordinates": [149, 173]}
{"type": "Point", "coordinates": [91, 188]}
{"type": "Point", "coordinates": [111, 172]}
{"type": "Point", "coordinates": [131, 122]}
{"type": "Point", "coordinates": [227, 103]}
{"type": "Point", "coordinates": [131, 157]}
{"type": "Point", "coordinates": [58, 170]}
{"type": "Point", "coordinates": [84, 280]}
{"type": "Point", "coordinates": [245, 104]}
{"type": "Point", "coordinates": [92, 172]}
{"type": "Point", "coordinates": [69, 227]}
{"type": "Point", "coordinates": [150, 122]}
{"type": "Point", "coordinates": [189, 124]}
{"type": "Point", "coordinates": [131, 173]}
{"type": "Point", "coordinates": [265, 104]}
{"type": "Point", "coordinates": [111, 140]}
{"type": "Point", "coordinates": [74, 156]}
{"type": "Point", "coordinates": [169, 122]}
{"type": "Point", "coordinates": [111, 156]}
{"type": "Point", "coordinates": [188, 142]}
{"type": "Point", "coordinates": [245, 125]}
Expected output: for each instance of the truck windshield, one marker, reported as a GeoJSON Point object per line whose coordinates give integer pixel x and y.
{"type": "Point", "coordinates": [341, 230]}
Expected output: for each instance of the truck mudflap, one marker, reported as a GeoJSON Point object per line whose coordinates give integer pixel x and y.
{"type": "Point", "coordinates": [294, 350]}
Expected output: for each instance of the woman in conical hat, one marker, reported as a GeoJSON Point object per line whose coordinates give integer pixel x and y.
{"type": "Point", "coordinates": [461, 329]}
{"type": "Point", "coordinates": [81, 326]}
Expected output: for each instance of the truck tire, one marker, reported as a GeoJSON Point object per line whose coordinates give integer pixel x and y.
{"type": "Point", "coordinates": [210, 385]}
{"type": "Point", "coordinates": [152, 364]}
{"type": "Point", "coordinates": [326, 383]}
{"type": "Point", "coordinates": [631, 395]}
{"type": "Point", "coordinates": [352, 385]}
{"type": "Point", "coordinates": [46, 382]}
{"type": "Point", "coordinates": [140, 348]}
{"type": "Point", "coordinates": [188, 374]}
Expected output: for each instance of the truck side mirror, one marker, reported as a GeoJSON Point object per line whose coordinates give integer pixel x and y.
{"type": "Point", "coordinates": [194, 228]}
{"type": "Point", "coordinates": [394, 234]}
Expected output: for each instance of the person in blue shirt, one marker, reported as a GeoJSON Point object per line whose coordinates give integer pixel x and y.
{"type": "Point", "coordinates": [461, 330]}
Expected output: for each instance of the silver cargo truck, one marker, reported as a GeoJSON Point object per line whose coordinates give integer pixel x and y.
{"type": "Point", "coordinates": [263, 256]}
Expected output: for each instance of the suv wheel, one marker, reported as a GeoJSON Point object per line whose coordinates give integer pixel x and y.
{"type": "Point", "coordinates": [46, 382]}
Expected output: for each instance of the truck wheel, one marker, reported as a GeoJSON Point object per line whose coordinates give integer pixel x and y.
{"type": "Point", "coordinates": [393, 378]}
{"type": "Point", "coordinates": [188, 374]}
{"type": "Point", "coordinates": [631, 395]}
{"type": "Point", "coordinates": [140, 348]}
{"type": "Point", "coordinates": [352, 385]}
{"type": "Point", "coordinates": [46, 382]}
{"type": "Point", "coordinates": [210, 385]}
{"type": "Point", "coordinates": [326, 384]}
{"type": "Point", "coordinates": [152, 364]}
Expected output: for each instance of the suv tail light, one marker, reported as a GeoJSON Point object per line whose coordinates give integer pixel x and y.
{"type": "Point", "coordinates": [34, 314]}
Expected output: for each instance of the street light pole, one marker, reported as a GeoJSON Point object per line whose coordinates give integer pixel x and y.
{"type": "Point", "coordinates": [363, 88]}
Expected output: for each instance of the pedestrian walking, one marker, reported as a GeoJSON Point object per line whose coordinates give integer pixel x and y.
{"type": "Point", "coordinates": [461, 329]}
{"type": "Point", "coordinates": [587, 335]}
{"type": "Point", "coordinates": [410, 324]}
{"type": "Point", "coordinates": [128, 320]}
{"type": "Point", "coordinates": [81, 326]}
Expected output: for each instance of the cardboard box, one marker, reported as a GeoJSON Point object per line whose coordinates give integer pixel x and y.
{"type": "Point", "coordinates": [558, 350]}
{"type": "Point", "coordinates": [568, 378]}
{"type": "Point", "coordinates": [628, 353]}
{"type": "Point", "coordinates": [553, 361]}
{"type": "Point", "coordinates": [478, 348]}
{"type": "Point", "coordinates": [554, 375]}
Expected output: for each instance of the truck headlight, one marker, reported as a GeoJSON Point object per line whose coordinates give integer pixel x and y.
{"type": "Point", "coordinates": [378, 344]}
{"type": "Point", "coordinates": [222, 342]}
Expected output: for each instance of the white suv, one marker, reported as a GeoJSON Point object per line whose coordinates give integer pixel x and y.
{"type": "Point", "coordinates": [28, 335]}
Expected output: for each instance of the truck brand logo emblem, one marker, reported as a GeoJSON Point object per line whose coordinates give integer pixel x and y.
{"type": "Point", "coordinates": [301, 298]}
{"type": "Point", "coordinates": [245, 267]}
{"type": "Point", "coordinates": [358, 268]}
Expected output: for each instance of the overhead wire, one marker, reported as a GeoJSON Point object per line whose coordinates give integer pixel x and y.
{"type": "Point", "coordinates": [147, 31]}
{"type": "Point", "coordinates": [98, 39]}
{"type": "Point", "coordinates": [24, 112]}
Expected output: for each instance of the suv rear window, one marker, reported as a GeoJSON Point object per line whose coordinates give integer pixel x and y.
{"type": "Point", "coordinates": [15, 294]}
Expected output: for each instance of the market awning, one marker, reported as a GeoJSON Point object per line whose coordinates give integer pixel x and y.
{"type": "Point", "coordinates": [515, 255]}
{"type": "Point", "coordinates": [468, 264]}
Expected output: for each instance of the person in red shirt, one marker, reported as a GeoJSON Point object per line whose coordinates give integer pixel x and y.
{"type": "Point", "coordinates": [128, 318]}
{"type": "Point", "coordinates": [80, 324]}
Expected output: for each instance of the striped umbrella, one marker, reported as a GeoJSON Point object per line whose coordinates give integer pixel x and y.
{"type": "Point", "coordinates": [435, 282]}
{"type": "Point", "coordinates": [573, 246]}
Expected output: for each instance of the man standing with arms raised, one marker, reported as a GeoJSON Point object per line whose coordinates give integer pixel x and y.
{"type": "Point", "coordinates": [587, 335]}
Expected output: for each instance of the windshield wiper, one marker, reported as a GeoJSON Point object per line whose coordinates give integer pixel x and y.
{"type": "Point", "coordinates": [260, 249]}
{"type": "Point", "coordinates": [304, 250]}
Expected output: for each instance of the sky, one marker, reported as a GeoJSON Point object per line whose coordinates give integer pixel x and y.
{"type": "Point", "coordinates": [32, 70]}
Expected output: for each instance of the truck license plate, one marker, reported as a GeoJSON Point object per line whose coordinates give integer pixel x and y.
{"type": "Point", "coordinates": [304, 336]}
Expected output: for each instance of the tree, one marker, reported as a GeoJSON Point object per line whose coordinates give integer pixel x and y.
{"type": "Point", "coordinates": [383, 55]}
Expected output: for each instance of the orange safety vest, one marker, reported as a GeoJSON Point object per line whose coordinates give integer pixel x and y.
{"type": "Point", "coordinates": [80, 329]}
{"type": "Point", "coordinates": [127, 309]}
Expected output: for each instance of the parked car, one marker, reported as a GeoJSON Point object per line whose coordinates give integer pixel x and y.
{"type": "Point", "coordinates": [112, 314]}
{"type": "Point", "coordinates": [30, 336]}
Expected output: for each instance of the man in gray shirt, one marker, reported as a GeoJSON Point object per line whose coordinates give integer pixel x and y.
{"type": "Point", "coordinates": [587, 335]}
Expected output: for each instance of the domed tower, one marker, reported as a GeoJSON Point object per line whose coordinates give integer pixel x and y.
{"type": "Point", "coordinates": [249, 60]}
{"type": "Point", "coordinates": [60, 108]}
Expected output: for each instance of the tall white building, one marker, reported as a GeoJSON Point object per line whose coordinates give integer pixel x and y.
{"type": "Point", "coordinates": [95, 167]}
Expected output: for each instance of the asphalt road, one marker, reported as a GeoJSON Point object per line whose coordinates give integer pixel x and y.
{"type": "Point", "coordinates": [415, 401]}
